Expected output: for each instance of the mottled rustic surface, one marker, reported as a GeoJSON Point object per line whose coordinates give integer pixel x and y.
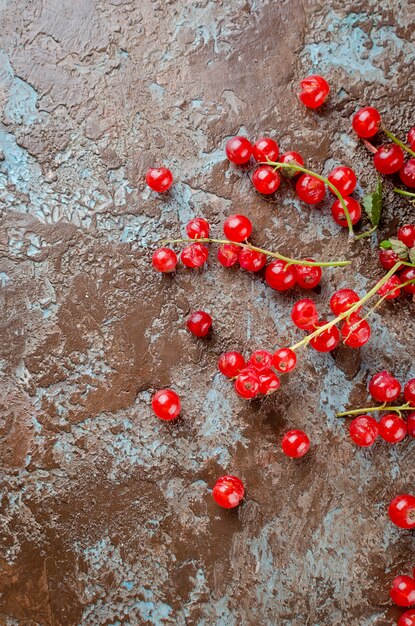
{"type": "Point", "coordinates": [106, 513]}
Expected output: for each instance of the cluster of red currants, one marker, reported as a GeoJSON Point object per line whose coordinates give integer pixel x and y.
{"type": "Point", "coordinates": [393, 250]}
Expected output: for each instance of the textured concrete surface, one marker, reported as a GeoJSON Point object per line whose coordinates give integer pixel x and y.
{"type": "Point", "coordinates": [106, 515]}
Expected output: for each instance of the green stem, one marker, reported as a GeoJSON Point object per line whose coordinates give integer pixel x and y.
{"type": "Point", "coordinates": [266, 252]}
{"type": "Point", "coordinates": [366, 233]}
{"type": "Point", "coordinates": [372, 409]}
{"type": "Point", "coordinates": [408, 194]}
{"type": "Point", "coordinates": [400, 143]}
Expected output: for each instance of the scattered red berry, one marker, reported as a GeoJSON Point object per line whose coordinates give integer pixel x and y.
{"type": "Point", "coordinates": [392, 428]}
{"type": "Point", "coordinates": [344, 179]}
{"type": "Point", "coordinates": [304, 314]}
{"type": "Point", "coordinates": [159, 179]}
{"type": "Point", "coordinates": [390, 289]}
{"type": "Point", "coordinates": [284, 360]}
{"type": "Point", "coordinates": [388, 159]}
{"type": "Point", "coordinates": [407, 174]}
{"type": "Point", "coordinates": [239, 150]}
{"type": "Point", "coordinates": [295, 444]}
{"type": "Point", "coordinates": [342, 300]}
{"type": "Point", "coordinates": [408, 274]}
{"type": "Point", "coordinates": [269, 381]}
{"type": "Point", "coordinates": [411, 138]}
{"type": "Point", "coordinates": [409, 392]}
{"type": "Point", "coordinates": [247, 383]}
{"type": "Point", "coordinates": [388, 258]}
{"type": "Point", "coordinates": [228, 491]}
{"type": "Point", "coordinates": [308, 276]}
{"type": "Point", "coordinates": [194, 255]}
{"type": "Point", "coordinates": [228, 254]}
{"type": "Point", "coordinates": [265, 149]}
{"type": "Point", "coordinates": [251, 260]}
{"type": "Point", "coordinates": [294, 158]}
{"type": "Point", "coordinates": [327, 340]}
{"type": "Point", "coordinates": [266, 180]}
{"type": "Point", "coordinates": [260, 359]}
{"type": "Point", "coordinates": [407, 618]}
{"type": "Point", "coordinates": [354, 208]}
{"type": "Point", "coordinates": [199, 323]}
{"type": "Point", "coordinates": [164, 260]}
{"type": "Point", "coordinates": [310, 189]}
{"type": "Point", "coordinates": [384, 387]}
{"type": "Point", "coordinates": [231, 363]}
{"type": "Point", "coordinates": [403, 591]}
{"type": "Point", "coordinates": [406, 234]}
{"type": "Point", "coordinates": [237, 228]}
{"type": "Point", "coordinates": [279, 276]}
{"type": "Point", "coordinates": [410, 424]}
{"type": "Point", "coordinates": [166, 404]}
{"type": "Point", "coordinates": [355, 332]}
{"type": "Point", "coordinates": [366, 122]}
{"type": "Point", "coordinates": [364, 431]}
{"type": "Point", "coordinates": [198, 228]}
{"type": "Point", "coordinates": [402, 511]}
{"type": "Point", "coordinates": [314, 91]}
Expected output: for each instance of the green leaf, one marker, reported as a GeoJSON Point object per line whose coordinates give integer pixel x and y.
{"type": "Point", "coordinates": [412, 255]}
{"type": "Point", "coordinates": [372, 204]}
{"type": "Point", "coordinates": [400, 248]}
{"type": "Point", "coordinates": [386, 244]}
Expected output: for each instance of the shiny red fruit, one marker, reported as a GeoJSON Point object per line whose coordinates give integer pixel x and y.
{"type": "Point", "coordinates": [390, 289]}
{"type": "Point", "coordinates": [409, 392]}
{"type": "Point", "coordinates": [266, 180]}
{"type": "Point", "coordinates": [237, 228]}
{"type": "Point", "coordinates": [260, 359]}
{"type": "Point", "coordinates": [228, 491]}
{"type": "Point", "coordinates": [364, 431]}
{"type": "Point", "coordinates": [327, 340]}
{"type": "Point", "coordinates": [410, 424]}
{"type": "Point", "coordinates": [159, 179]}
{"type": "Point", "coordinates": [310, 189]}
{"type": "Point", "coordinates": [355, 332]}
{"type": "Point", "coordinates": [411, 138]}
{"type": "Point", "coordinates": [354, 208]}
{"type": "Point", "coordinates": [194, 255]}
{"type": "Point", "coordinates": [166, 404]}
{"type": "Point", "coordinates": [384, 387]}
{"type": "Point", "coordinates": [199, 323]}
{"type": "Point", "coordinates": [389, 158]}
{"type": "Point", "coordinates": [406, 234]}
{"type": "Point", "coordinates": [314, 91]}
{"type": "Point", "coordinates": [388, 258]}
{"type": "Point", "coordinates": [247, 383]}
{"type": "Point", "coordinates": [231, 363]}
{"type": "Point", "coordinates": [295, 159]}
{"type": "Point", "coordinates": [304, 314]}
{"type": "Point", "coordinates": [251, 260]}
{"type": "Point", "coordinates": [407, 618]}
{"type": "Point", "coordinates": [308, 276]}
{"type": "Point", "coordinates": [366, 122]}
{"type": "Point", "coordinates": [265, 149]}
{"type": "Point", "coordinates": [279, 276]}
{"type": "Point", "coordinates": [228, 254]}
{"type": "Point", "coordinates": [198, 228]}
{"type": "Point", "coordinates": [342, 300]}
{"type": "Point", "coordinates": [407, 174]}
{"type": "Point", "coordinates": [239, 150]}
{"type": "Point", "coordinates": [403, 591]}
{"type": "Point", "coordinates": [408, 274]}
{"type": "Point", "coordinates": [284, 360]}
{"type": "Point", "coordinates": [269, 381]}
{"type": "Point", "coordinates": [402, 511]}
{"type": "Point", "coordinates": [295, 444]}
{"type": "Point", "coordinates": [392, 428]}
{"type": "Point", "coordinates": [344, 179]}
{"type": "Point", "coordinates": [164, 260]}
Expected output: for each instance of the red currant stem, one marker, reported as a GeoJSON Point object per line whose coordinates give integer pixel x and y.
{"type": "Point", "coordinates": [370, 146]}
{"type": "Point", "coordinates": [299, 168]}
{"type": "Point", "coordinates": [398, 142]}
{"type": "Point", "coordinates": [367, 233]}
{"type": "Point", "coordinates": [371, 409]}
{"type": "Point", "coordinates": [408, 194]}
{"type": "Point", "coordinates": [266, 252]}
{"type": "Point", "coordinates": [383, 298]}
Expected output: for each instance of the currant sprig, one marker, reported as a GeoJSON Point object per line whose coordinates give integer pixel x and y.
{"type": "Point", "coordinates": [398, 142]}
{"type": "Point", "coordinates": [376, 409]}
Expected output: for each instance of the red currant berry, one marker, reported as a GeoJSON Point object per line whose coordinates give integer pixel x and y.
{"type": "Point", "coordinates": [403, 591]}
{"type": "Point", "coordinates": [355, 332]}
{"type": "Point", "coordinates": [159, 179]}
{"type": "Point", "coordinates": [238, 150]}
{"type": "Point", "coordinates": [410, 424]}
{"type": "Point", "coordinates": [402, 511]}
{"type": "Point", "coordinates": [392, 428]}
{"type": "Point", "coordinates": [199, 323]}
{"type": "Point", "coordinates": [266, 180]}
{"type": "Point", "coordinates": [407, 618]}
{"type": "Point", "coordinates": [409, 392]}
{"type": "Point", "coordinates": [247, 383]}
{"type": "Point", "coordinates": [194, 255]}
{"type": "Point", "coordinates": [366, 122]}
{"type": "Point", "coordinates": [228, 254]}
{"type": "Point", "coordinates": [304, 314]}
{"type": "Point", "coordinates": [279, 276]}
{"type": "Point", "coordinates": [198, 228]}
{"type": "Point", "coordinates": [342, 300]}
{"type": "Point", "coordinates": [228, 491]}
{"type": "Point", "coordinates": [384, 387]}
{"type": "Point", "coordinates": [390, 289]}
{"type": "Point", "coordinates": [269, 381]}
{"type": "Point", "coordinates": [166, 404]}
{"type": "Point", "coordinates": [406, 234]}
{"type": "Point", "coordinates": [265, 149]}
{"type": "Point", "coordinates": [407, 174]}
{"type": "Point", "coordinates": [308, 276]}
{"type": "Point", "coordinates": [284, 360]}
{"type": "Point", "coordinates": [237, 228]}
{"type": "Point", "coordinates": [310, 189]}
{"type": "Point", "coordinates": [295, 444]}
{"type": "Point", "coordinates": [354, 208]}
{"type": "Point", "coordinates": [293, 158]}
{"type": "Point", "coordinates": [388, 159]}
{"type": "Point", "coordinates": [364, 431]}
{"type": "Point", "coordinates": [314, 91]}
{"type": "Point", "coordinates": [408, 274]}
{"type": "Point", "coordinates": [164, 260]}
{"type": "Point", "coordinates": [411, 138]}
{"type": "Point", "coordinates": [344, 179]}
{"type": "Point", "coordinates": [327, 340]}
{"type": "Point", "coordinates": [251, 260]}
{"type": "Point", "coordinates": [388, 258]}
{"type": "Point", "coordinates": [231, 363]}
{"type": "Point", "coordinates": [260, 359]}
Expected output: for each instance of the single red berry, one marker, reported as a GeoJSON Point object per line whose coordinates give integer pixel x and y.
{"type": "Point", "coordinates": [310, 189]}
{"type": "Point", "coordinates": [407, 618]}
{"type": "Point", "coordinates": [159, 179]}
{"type": "Point", "coordinates": [355, 332]}
{"type": "Point", "coordinates": [410, 424]}
{"type": "Point", "coordinates": [198, 228]}
{"type": "Point", "coordinates": [199, 323]}
{"type": "Point", "coordinates": [304, 314]}
{"type": "Point", "coordinates": [239, 150]}
{"type": "Point", "coordinates": [284, 360]}
{"type": "Point", "coordinates": [266, 180]}
{"type": "Point", "coordinates": [366, 122]}
{"type": "Point", "coordinates": [409, 392]}
{"type": "Point", "coordinates": [354, 208]}
{"type": "Point", "coordinates": [390, 289]}
{"type": "Point", "coordinates": [265, 149]}
{"type": "Point", "coordinates": [251, 260]}
{"type": "Point", "coordinates": [411, 138]}
{"type": "Point", "coordinates": [228, 254]}
{"type": "Point", "coordinates": [402, 511]}
{"type": "Point", "coordinates": [237, 228]}
{"type": "Point", "coordinates": [166, 404]}
{"type": "Point", "coordinates": [392, 428]}
{"type": "Point", "coordinates": [314, 91]}
{"type": "Point", "coordinates": [364, 431]}
{"type": "Point", "coordinates": [295, 444]}
{"type": "Point", "coordinates": [228, 491]}
{"type": "Point", "coordinates": [388, 258]}
{"type": "Point", "coordinates": [269, 381]}
{"type": "Point", "coordinates": [194, 255]}
{"type": "Point", "coordinates": [293, 158]}
{"type": "Point", "coordinates": [344, 179]}
{"type": "Point", "coordinates": [408, 274]}
{"type": "Point", "coordinates": [247, 383]}
{"type": "Point", "coordinates": [308, 276]}
{"type": "Point", "coordinates": [231, 363]}
{"type": "Point", "coordinates": [327, 340]}
{"type": "Point", "coordinates": [164, 260]}
{"type": "Point", "coordinates": [407, 173]}
{"type": "Point", "coordinates": [406, 234]}
{"type": "Point", "coordinates": [388, 159]}
{"type": "Point", "coordinates": [279, 276]}
{"type": "Point", "coordinates": [384, 387]}
{"type": "Point", "coordinates": [260, 359]}
{"type": "Point", "coordinates": [403, 591]}
{"type": "Point", "coordinates": [342, 300]}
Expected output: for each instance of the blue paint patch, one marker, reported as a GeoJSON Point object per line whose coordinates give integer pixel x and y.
{"type": "Point", "coordinates": [4, 279]}
{"type": "Point", "coordinates": [156, 89]}
{"type": "Point", "coordinates": [127, 584]}
{"type": "Point", "coordinates": [21, 97]}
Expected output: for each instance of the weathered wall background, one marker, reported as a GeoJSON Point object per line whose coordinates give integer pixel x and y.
{"type": "Point", "coordinates": [106, 515]}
